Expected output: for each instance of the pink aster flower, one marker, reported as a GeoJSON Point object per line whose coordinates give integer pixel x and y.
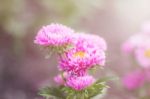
{"type": "Point", "coordinates": [89, 40]}
{"type": "Point", "coordinates": [78, 60]}
{"type": "Point", "coordinates": [60, 79]}
{"type": "Point", "coordinates": [85, 54]}
{"type": "Point", "coordinates": [139, 39]}
{"type": "Point", "coordinates": [80, 83]}
{"type": "Point", "coordinates": [54, 35]}
{"type": "Point", "coordinates": [139, 45]}
{"type": "Point", "coordinates": [134, 79]}
{"type": "Point", "coordinates": [134, 42]}
{"type": "Point", "coordinates": [143, 56]}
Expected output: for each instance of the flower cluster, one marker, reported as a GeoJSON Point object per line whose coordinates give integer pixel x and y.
{"type": "Point", "coordinates": [139, 46]}
{"type": "Point", "coordinates": [80, 52]}
{"type": "Point", "coordinates": [87, 51]}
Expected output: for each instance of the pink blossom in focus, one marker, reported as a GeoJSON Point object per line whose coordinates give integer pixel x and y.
{"type": "Point", "coordinates": [80, 83]}
{"type": "Point", "coordinates": [82, 57]}
{"type": "Point", "coordinates": [54, 35]}
{"type": "Point", "coordinates": [134, 80]}
{"type": "Point", "coordinates": [90, 40]}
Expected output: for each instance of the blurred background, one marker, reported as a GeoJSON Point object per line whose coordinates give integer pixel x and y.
{"type": "Point", "coordinates": [23, 69]}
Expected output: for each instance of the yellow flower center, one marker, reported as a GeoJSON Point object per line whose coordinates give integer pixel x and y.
{"type": "Point", "coordinates": [147, 53]}
{"type": "Point", "coordinates": [79, 54]}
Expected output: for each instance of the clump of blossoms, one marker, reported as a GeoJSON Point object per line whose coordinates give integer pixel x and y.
{"type": "Point", "coordinates": [78, 53]}
{"type": "Point", "coordinates": [138, 45]}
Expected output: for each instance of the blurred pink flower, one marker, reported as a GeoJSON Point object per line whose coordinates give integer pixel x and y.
{"type": "Point", "coordinates": [127, 47]}
{"type": "Point", "coordinates": [139, 45]}
{"type": "Point", "coordinates": [60, 79]}
{"type": "Point", "coordinates": [134, 79]}
{"type": "Point", "coordinates": [134, 42]}
{"type": "Point", "coordinates": [83, 56]}
{"type": "Point", "coordinates": [54, 35]}
{"type": "Point", "coordinates": [80, 83]}
{"type": "Point", "coordinates": [143, 56]}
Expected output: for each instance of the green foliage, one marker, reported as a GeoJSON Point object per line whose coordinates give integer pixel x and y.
{"type": "Point", "coordinates": [94, 90]}
{"type": "Point", "coordinates": [54, 92]}
{"type": "Point", "coordinates": [49, 50]}
{"type": "Point", "coordinates": [97, 88]}
{"type": "Point", "coordinates": [64, 92]}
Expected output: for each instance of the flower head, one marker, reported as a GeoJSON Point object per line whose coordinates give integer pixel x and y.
{"type": "Point", "coordinates": [134, 80]}
{"type": "Point", "coordinates": [90, 40]}
{"type": "Point", "coordinates": [80, 83]}
{"type": "Point", "coordinates": [79, 60]}
{"type": "Point", "coordinates": [139, 45]}
{"type": "Point", "coordinates": [54, 35]}
{"type": "Point", "coordinates": [84, 55]}
{"type": "Point", "coordinates": [134, 42]}
{"type": "Point", "coordinates": [143, 56]}
{"type": "Point", "coordinates": [60, 79]}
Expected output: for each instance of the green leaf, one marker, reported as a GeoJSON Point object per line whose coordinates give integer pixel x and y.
{"type": "Point", "coordinates": [48, 92]}
{"type": "Point", "coordinates": [97, 88]}
{"type": "Point", "coordinates": [106, 79]}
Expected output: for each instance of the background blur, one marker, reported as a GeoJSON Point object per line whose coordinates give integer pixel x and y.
{"type": "Point", "coordinates": [23, 69]}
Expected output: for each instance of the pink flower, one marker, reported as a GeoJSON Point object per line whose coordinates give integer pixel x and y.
{"type": "Point", "coordinates": [134, 42]}
{"type": "Point", "coordinates": [54, 35]}
{"type": "Point", "coordinates": [139, 45]}
{"type": "Point", "coordinates": [90, 40]}
{"type": "Point", "coordinates": [134, 79]}
{"type": "Point", "coordinates": [127, 47]}
{"type": "Point", "coordinates": [60, 79]}
{"type": "Point", "coordinates": [82, 57]}
{"type": "Point", "coordinates": [80, 83]}
{"type": "Point", "coordinates": [143, 56]}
